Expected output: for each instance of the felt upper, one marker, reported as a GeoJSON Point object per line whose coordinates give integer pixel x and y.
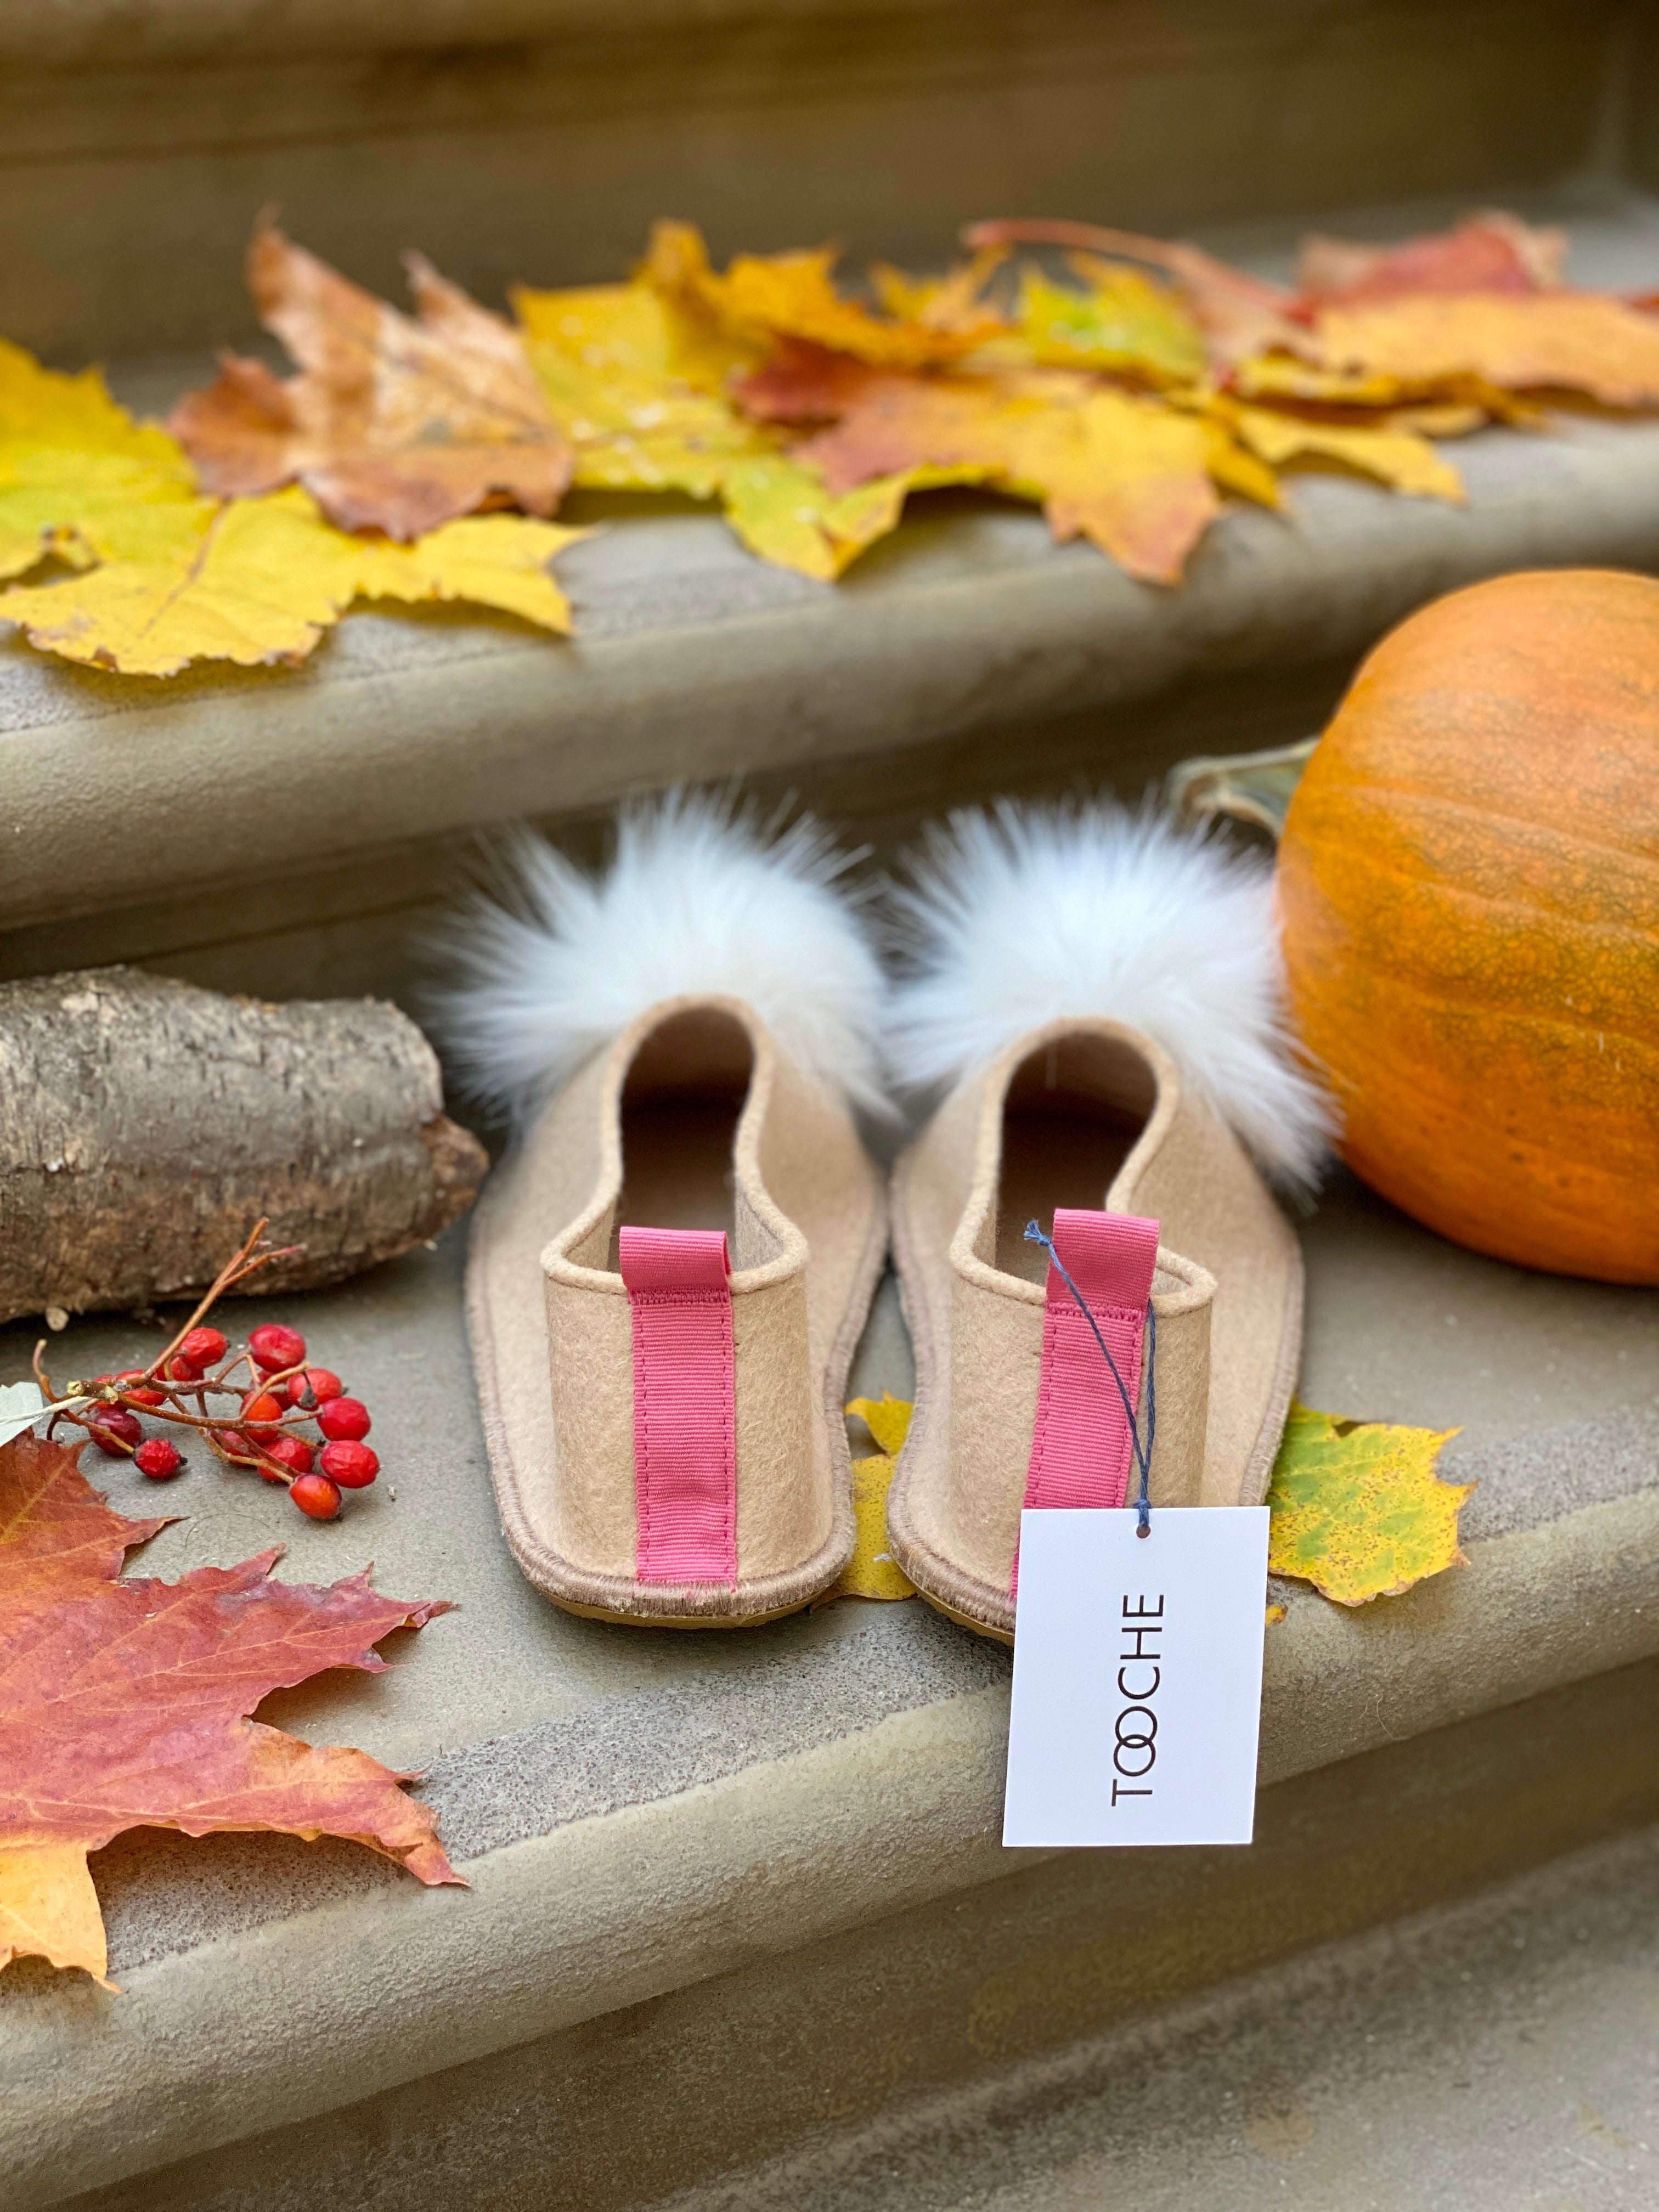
{"type": "Point", "coordinates": [1227, 1291]}
{"type": "Point", "coordinates": [552, 1327]}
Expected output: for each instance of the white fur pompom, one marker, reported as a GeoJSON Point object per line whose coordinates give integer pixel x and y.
{"type": "Point", "coordinates": [1029, 914]}
{"type": "Point", "coordinates": [699, 898]}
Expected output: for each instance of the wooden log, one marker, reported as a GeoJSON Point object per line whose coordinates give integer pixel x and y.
{"type": "Point", "coordinates": [145, 1126]}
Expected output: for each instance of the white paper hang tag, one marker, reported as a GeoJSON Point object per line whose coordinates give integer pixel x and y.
{"type": "Point", "coordinates": [1137, 1704]}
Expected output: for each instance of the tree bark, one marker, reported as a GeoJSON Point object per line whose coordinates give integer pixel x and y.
{"type": "Point", "coordinates": [146, 1125]}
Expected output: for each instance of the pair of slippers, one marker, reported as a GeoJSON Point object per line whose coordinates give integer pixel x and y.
{"type": "Point", "coordinates": [671, 1271]}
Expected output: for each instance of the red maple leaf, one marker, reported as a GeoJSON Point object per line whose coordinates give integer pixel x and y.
{"type": "Point", "coordinates": [126, 1703]}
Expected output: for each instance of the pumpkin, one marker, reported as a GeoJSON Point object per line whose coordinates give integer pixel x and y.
{"type": "Point", "coordinates": [1469, 886]}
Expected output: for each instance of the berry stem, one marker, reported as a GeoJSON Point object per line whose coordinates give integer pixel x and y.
{"type": "Point", "coordinates": [247, 1261]}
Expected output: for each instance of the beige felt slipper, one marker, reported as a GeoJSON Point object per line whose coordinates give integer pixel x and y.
{"type": "Point", "coordinates": [670, 1273]}
{"type": "Point", "coordinates": [1105, 992]}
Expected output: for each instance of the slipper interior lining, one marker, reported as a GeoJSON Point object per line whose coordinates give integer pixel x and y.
{"type": "Point", "coordinates": [684, 1095]}
{"type": "Point", "coordinates": [1074, 1112]}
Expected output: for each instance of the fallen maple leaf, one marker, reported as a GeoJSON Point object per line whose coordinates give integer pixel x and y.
{"type": "Point", "coordinates": [1357, 1508]}
{"type": "Point", "coordinates": [1124, 400]}
{"type": "Point", "coordinates": [634, 333]}
{"type": "Point", "coordinates": [626, 374]}
{"type": "Point", "coordinates": [1571, 340]}
{"type": "Point", "coordinates": [393, 424]}
{"type": "Point", "coordinates": [1276, 380]}
{"type": "Point", "coordinates": [1129, 474]}
{"type": "Point", "coordinates": [620, 364]}
{"type": "Point", "coordinates": [1233, 466]}
{"type": "Point", "coordinates": [793, 296]}
{"type": "Point", "coordinates": [644, 377]}
{"type": "Point", "coordinates": [1124, 472]}
{"type": "Point", "coordinates": [79, 479]}
{"type": "Point", "coordinates": [872, 1572]}
{"type": "Point", "coordinates": [783, 510]}
{"type": "Point", "coordinates": [166, 576]}
{"type": "Point", "coordinates": [487, 560]}
{"type": "Point", "coordinates": [125, 1704]}
{"type": "Point", "coordinates": [1239, 314]}
{"type": "Point", "coordinates": [1121, 321]}
{"type": "Point", "coordinates": [256, 580]}
{"type": "Point", "coordinates": [954, 301]}
{"type": "Point", "coordinates": [1397, 457]}
{"type": "Point", "coordinates": [1488, 253]}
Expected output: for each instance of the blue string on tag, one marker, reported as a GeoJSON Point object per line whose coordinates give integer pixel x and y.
{"type": "Point", "coordinates": [1142, 1452]}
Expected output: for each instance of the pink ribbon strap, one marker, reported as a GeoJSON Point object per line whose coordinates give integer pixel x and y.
{"type": "Point", "coordinates": [685, 1457]}
{"type": "Point", "coordinates": [1081, 1446]}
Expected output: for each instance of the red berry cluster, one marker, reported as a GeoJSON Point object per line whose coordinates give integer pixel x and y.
{"type": "Point", "coordinates": [278, 1398]}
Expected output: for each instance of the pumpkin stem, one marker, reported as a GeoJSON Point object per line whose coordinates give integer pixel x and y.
{"type": "Point", "coordinates": [1253, 787]}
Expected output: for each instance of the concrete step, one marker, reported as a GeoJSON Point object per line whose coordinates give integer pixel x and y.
{"type": "Point", "coordinates": [1481, 2057]}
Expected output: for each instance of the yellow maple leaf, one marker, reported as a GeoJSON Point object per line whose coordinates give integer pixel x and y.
{"type": "Point", "coordinates": [79, 478]}
{"type": "Point", "coordinates": [951, 302]}
{"type": "Point", "coordinates": [637, 336]}
{"type": "Point", "coordinates": [166, 576]}
{"type": "Point", "coordinates": [872, 1572]}
{"type": "Point", "coordinates": [623, 367]}
{"type": "Point", "coordinates": [244, 580]}
{"type": "Point", "coordinates": [1437, 418]}
{"type": "Point", "coordinates": [1357, 1508]}
{"type": "Point", "coordinates": [487, 560]}
{"type": "Point", "coordinates": [793, 295]}
{"type": "Point", "coordinates": [74, 411]}
{"type": "Point", "coordinates": [1396, 457]}
{"type": "Point", "coordinates": [887, 1418]}
{"type": "Point", "coordinates": [1121, 320]}
{"type": "Point", "coordinates": [1272, 376]}
{"type": "Point", "coordinates": [625, 374]}
{"type": "Point", "coordinates": [256, 580]}
{"type": "Point", "coordinates": [708, 351]}
{"type": "Point", "coordinates": [1128, 473]}
{"type": "Point", "coordinates": [782, 510]}
{"type": "Point", "coordinates": [1234, 468]}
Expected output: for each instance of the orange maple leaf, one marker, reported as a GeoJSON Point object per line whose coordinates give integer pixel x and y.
{"type": "Point", "coordinates": [125, 1704]}
{"type": "Point", "coordinates": [393, 424]}
{"type": "Point", "coordinates": [1121, 471]}
{"type": "Point", "coordinates": [1567, 341]}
